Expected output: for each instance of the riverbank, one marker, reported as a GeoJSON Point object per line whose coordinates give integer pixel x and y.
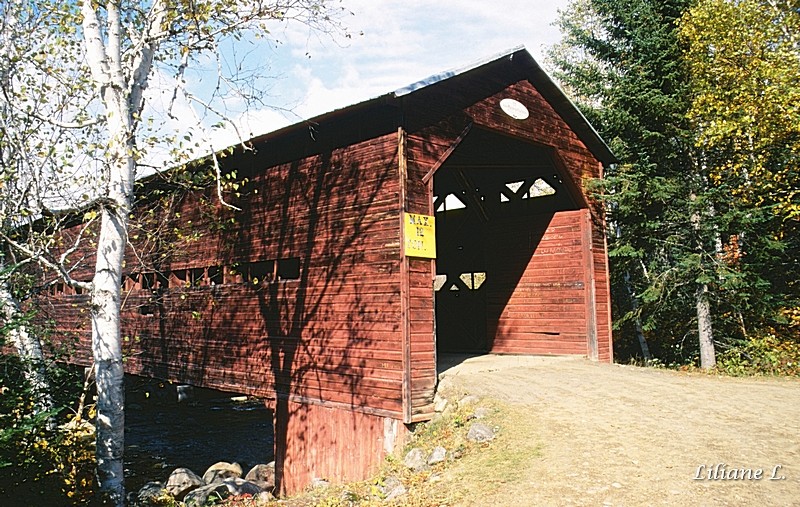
{"type": "Point", "coordinates": [162, 434]}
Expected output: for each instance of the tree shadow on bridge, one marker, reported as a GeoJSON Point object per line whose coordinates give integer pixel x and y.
{"type": "Point", "coordinates": [307, 310]}
{"type": "Point", "coordinates": [325, 215]}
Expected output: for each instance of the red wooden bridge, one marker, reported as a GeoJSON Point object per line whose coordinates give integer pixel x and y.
{"type": "Point", "coordinates": [451, 215]}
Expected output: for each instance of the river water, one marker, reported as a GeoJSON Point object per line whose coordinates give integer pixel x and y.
{"type": "Point", "coordinates": [162, 434]}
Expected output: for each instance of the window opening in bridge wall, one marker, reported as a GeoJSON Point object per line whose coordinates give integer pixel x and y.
{"type": "Point", "coordinates": [289, 269]}
{"type": "Point", "coordinates": [256, 273]}
{"type": "Point", "coordinates": [470, 281]}
{"type": "Point", "coordinates": [178, 279]}
{"type": "Point", "coordinates": [62, 289]}
{"type": "Point", "coordinates": [233, 274]}
{"type": "Point", "coordinates": [215, 275]}
{"type": "Point", "coordinates": [473, 281]}
{"type": "Point", "coordinates": [261, 272]}
{"type": "Point", "coordinates": [514, 186]}
{"type": "Point", "coordinates": [148, 280]}
{"type": "Point", "coordinates": [197, 277]}
{"type": "Point", "coordinates": [162, 280]}
{"type": "Point", "coordinates": [131, 282]}
{"type": "Point", "coordinates": [538, 188]}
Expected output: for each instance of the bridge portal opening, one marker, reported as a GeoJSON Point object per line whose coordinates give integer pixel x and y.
{"type": "Point", "coordinates": [494, 198]}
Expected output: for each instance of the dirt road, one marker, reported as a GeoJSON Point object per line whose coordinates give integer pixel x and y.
{"type": "Point", "coordinates": [622, 435]}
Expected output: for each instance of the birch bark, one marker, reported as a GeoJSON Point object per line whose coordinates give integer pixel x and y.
{"type": "Point", "coordinates": [105, 61]}
{"type": "Point", "coordinates": [29, 349]}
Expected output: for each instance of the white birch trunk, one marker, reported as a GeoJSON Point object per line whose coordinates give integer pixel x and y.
{"type": "Point", "coordinates": [107, 353]}
{"type": "Point", "coordinates": [105, 308]}
{"type": "Point", "coordinates": [708, 359]}
{"type": "Point", "coordinates": [705, 332]}
{"type": "Point", "coordinates": [29, 349]}
{"type": "Point", "coordinates": [106, 64]}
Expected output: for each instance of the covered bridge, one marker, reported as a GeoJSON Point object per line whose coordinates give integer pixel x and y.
{"type": "Point", "coordinates": [451, 215]}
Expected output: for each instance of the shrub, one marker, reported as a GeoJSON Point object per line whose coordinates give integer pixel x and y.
{"type": "Point", "coordinates": [764, 355]}
{"type": "Point", "coordinates": [42, 460]}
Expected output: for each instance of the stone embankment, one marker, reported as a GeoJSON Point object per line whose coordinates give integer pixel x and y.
{"type": "Point", "coordinates": [220, 481]}
{"type": "Point", "coordinates": [418, 460]}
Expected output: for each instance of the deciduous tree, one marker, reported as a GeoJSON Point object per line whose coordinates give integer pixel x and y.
{"type": "Point", "coordinates": [83, 76]}
{"type": "Point", "coordinates": [744, 62]}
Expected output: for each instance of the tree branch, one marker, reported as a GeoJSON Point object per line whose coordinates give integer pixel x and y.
{"type": "Point", "coordinates": [144, 51]}
{"type": "Point", "coordinates": [43, 260]}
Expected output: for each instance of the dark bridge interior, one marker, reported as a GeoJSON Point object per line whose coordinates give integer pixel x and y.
{"type": "Point", "coordinates": [493, 198]}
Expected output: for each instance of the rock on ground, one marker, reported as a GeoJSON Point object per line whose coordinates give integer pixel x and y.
{"type": "Point", "coordinates": [392, 488]}
{"type": "Point", "coordinates": [479, 432]}
{"type": "Point", "coordinates": [438, 455]}
{"type": "Point", "coordinates": [263, 475]}
{"type": "Point", "coordinates": [147, 495]}
{"type": "Point", "coordinates": [416, 459]}
{"type": "Point", "coordinates": [221, 471]}
{"type": "Point", "coordinates": [181, 481]}
{"type": "Point", "coordinates": [203, 494]}
{"type": "Point", "coordinates": [238, 486]}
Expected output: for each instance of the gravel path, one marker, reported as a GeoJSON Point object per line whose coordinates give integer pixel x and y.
{"type": "Point", "coordinates": [622, 435]}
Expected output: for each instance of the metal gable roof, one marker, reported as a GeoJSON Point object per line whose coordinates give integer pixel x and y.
{"type": "Point", "coordinates": [513, 65]}
{"type": "Point", "coordinates": [530, 69]}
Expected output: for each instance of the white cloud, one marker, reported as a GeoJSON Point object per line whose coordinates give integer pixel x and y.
{"type": "Point", "coordinates": [406, 41]}
{"type": "Point", "coordinates": [402, 42]}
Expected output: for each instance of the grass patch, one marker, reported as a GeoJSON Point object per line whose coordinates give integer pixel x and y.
{"type": "Point", "coordinates": [470, 468]}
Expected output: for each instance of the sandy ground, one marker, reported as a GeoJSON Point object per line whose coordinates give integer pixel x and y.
{"type": "Point", "coordinates": [621, 435]}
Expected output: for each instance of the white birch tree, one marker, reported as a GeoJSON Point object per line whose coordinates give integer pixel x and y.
{"type": "Point", "coordinates": [30, 174]}
{"type": "Point", "coordinates": [104, 55]}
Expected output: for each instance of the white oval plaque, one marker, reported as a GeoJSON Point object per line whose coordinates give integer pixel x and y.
{"type": "Point", "coordinates": [514, 109]}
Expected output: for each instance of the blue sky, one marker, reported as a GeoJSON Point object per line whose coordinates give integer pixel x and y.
{"type": "Point", "coordinates": [402, 42]}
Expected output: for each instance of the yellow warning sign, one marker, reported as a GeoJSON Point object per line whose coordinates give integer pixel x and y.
{"type": "Point", "coordinates": [420, 233]}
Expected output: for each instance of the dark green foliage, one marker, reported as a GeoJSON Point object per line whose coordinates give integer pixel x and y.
{"type": "Point", "coordinates": [630, 81]}
{"type": "Point", "coordinates": [672, 225]}
{"type": "Point", "coordinates": [39, 464]}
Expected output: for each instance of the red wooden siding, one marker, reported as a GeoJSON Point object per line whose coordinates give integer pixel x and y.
{"type": "Point", "coordinates": [557, 302]}
{"type": "Point", "coordinates": [545, 311]}
{"type": "Point", "coordinates": [423, 346]}
{"type": "Point", "coordinates": [332, 334]}
{"type": "Point", "coordinates": [605, 349]}
{"type": "Point", "coordinates": [424, 150]}
{"type": "Point", "coordinates": [306, 297]}
{"type": "Point", "coordinates": [418, 281]}
{"type": "Point", "coordinates": [330, 443]}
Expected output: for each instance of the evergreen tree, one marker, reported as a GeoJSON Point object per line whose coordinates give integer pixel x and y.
{"type": "Point", "coordinates": [623, 61]}
{"type": "Point", "coordinates": [698, 99]}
